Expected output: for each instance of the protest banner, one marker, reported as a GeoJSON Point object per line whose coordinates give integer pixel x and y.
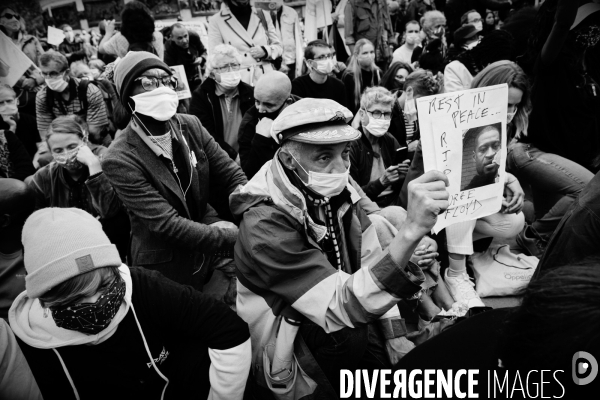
{"type": "Point", "coordinates": [183, 87]}
{"type": "Point", "coordinates": [55, 36]}
{"type": "Point", "coordinates": [463, 135]}
{"type": "Point", "coordinates": [13, 62]}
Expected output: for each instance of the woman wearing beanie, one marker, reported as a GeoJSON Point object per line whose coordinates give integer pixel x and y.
{"type": "Point", "coordinates": [75, 179]}
{"type": "Point", "coordinates": [92, 328]}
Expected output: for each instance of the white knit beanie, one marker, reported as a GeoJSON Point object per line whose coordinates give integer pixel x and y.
{"type": "Point", "coordinates": [60, 243]}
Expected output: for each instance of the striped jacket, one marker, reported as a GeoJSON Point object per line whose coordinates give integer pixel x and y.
{"type": "Point", "coordinates": [285, 276]}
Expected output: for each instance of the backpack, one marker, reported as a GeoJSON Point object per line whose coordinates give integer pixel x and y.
{"type": "Point", "coordinates": [82, 89]}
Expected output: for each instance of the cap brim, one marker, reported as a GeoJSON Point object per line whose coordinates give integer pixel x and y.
{"type": "Point", "coordinates": [326, 133]}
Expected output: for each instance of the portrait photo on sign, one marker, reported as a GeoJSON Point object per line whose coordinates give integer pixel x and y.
{"type": "Point", "coordinates": [481, 158]}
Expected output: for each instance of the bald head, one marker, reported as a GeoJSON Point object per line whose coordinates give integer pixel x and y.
{"type": "Point", "coordinates": [16, 202]}
{"type": "Point", "coordinates": [271, 91]}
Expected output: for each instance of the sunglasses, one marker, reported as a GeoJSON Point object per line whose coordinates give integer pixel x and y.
{"type": "Point", "coordinates": [151, 82]}
{"type": "Point", "coordinates": [9, 16]}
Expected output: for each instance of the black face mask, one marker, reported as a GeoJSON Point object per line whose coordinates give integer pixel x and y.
{"type": "Point", "coordinates": [273, 114]}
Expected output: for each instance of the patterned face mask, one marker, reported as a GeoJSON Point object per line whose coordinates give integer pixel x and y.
{"type": "Point", "coordinates": [68, 158]}
{"type": "Point", "coordinates": [91, 318]}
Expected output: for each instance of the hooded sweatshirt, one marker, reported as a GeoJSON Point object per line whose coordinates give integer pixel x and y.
{"type": "Point", "coordinates": [156, 345]}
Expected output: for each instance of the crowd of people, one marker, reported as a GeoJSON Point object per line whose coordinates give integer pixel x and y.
{"type": "Point", "coordinates": [276, 227]}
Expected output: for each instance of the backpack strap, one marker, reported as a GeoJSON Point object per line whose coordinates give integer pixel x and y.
{"type": "Point", "coordinates": [263, 21]}
{"type": "Point", "coordinates": [50, 102]}
{"type": "Point", "coordinates": [82, 90]}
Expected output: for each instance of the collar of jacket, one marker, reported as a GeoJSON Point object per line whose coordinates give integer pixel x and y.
{"type": "Point", "coordinates": [272, 181]}
{"type": "Point", "coordinates": [155, 149]}
{"type": "Point", "coordinates": [247, 35]}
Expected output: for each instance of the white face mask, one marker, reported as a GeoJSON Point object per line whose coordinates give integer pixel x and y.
{"type": "Point", "coordinates": [471, 45]}
{"type": "Point", "coordinates": [377, 127]}
{"type": "Point", "coordinates": [510, 116]}
{"type": "Point", "coordinates": [322, 66]}
{"type": "Point", "coordinates": [412, 38]}
{"type": "Point", "coordinates": [410, 108]}
{"type": "Point", "coordinates": [160, 104]}
{"type": "Point", "coordinates": [9, 109]}
{"type": "Point", "coordinates": [478, 25]}
{"type": "Point", "coordinates": [57, 84]}
{"type": "Point", "coordinates": [327, 185]}
{"type": "Point", "coordinates": [231, 79]}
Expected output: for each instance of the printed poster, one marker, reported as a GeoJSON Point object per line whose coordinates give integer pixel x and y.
{"type": "Point", "coordinates": [463, 135]}
{"type": "Point", "coordinates": [183, 87]}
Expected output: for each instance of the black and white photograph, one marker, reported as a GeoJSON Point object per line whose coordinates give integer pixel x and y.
{"type": "Point", "coordinates": [481, 156]}
{"type": "Point", "coordinates": [299, 199]}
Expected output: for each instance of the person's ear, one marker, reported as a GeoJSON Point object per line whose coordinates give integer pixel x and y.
{"type": "Point", "coordinates": [4, 220]}
{"type": "Point", "coordinates": [287, 160]}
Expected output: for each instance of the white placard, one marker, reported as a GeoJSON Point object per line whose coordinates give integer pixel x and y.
{"type": "Point", "coordinates": [463, 135]}
{"type": "Point", "coordinates": [183, 87]}
{"type": "Point", "coordinates": [55, 36]}
{"type": "Point", "coordinates": [13, 62]}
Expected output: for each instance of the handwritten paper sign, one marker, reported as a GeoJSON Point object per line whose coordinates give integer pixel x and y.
{"type": "Point", "coordinates": [55, 36]}
{"type": "Point", "coordinates": [13, 62]}
{"type": "Point", "coordinates": [463, 135]}
{"type": "Point", "coordinates": [183, 87]}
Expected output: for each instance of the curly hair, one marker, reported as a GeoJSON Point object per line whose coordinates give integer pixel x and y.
{"type": "Point", "coordinates": [422, 82]}
{"type": "Point", "coordinates": [137, 23]}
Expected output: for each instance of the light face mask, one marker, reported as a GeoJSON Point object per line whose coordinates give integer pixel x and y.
{"type": "Point", "coordinates": [478, 25]}
{"type": "Point", "coordinates": [231, 79]}
{"type": "Point", "coordinates": [68, 158]}
{"type": "Point", "coordinates": [327, 185]}
{"type": "Point", "coordinates": [57, 84]}
{"type": "Point", "coordinates": [9, 109]}
{"type": "Point", "coordinates": [159, 104]}
{"type": "Point", "coordinates": [410, 108]}
{"type": "Point", "coordinates": [323, 66]}
{"type": "Point", "coordinates": [377, 127]}
{"type": "Point", "coordinates": [510, 116]}
{"type": "Point", "coordinates": [412, 38]}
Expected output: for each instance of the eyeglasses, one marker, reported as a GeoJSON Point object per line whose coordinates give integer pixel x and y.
{"type": "Point", "coordinates": [228, 68]}
{"type": "Point", "coordinates": [52, 74]}
{"type": "Point", "coordinates": [151, 82]}
{"type": "Point", "coordinates": [9, 16]}
{"type": "Point", "coordinates": [380, 115]}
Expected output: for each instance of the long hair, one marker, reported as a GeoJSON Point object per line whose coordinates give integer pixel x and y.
{"type": "Point", "coordinates": [510, 73]}
{"type": "Point", "coordinates": [354, 69]}
{"type": "Point", "coordinates": [387, 81]}
{"type": "Point", "coordinates": [559, 316]}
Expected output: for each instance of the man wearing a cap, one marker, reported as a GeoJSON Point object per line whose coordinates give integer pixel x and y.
{"type": "Point", "coordinates": [313, 279]}
{"type": "Point", "coordinates": [166, 168]}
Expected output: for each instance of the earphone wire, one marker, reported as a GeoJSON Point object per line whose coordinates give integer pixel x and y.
{"type": "Point", "coordinates": [170, 159]}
